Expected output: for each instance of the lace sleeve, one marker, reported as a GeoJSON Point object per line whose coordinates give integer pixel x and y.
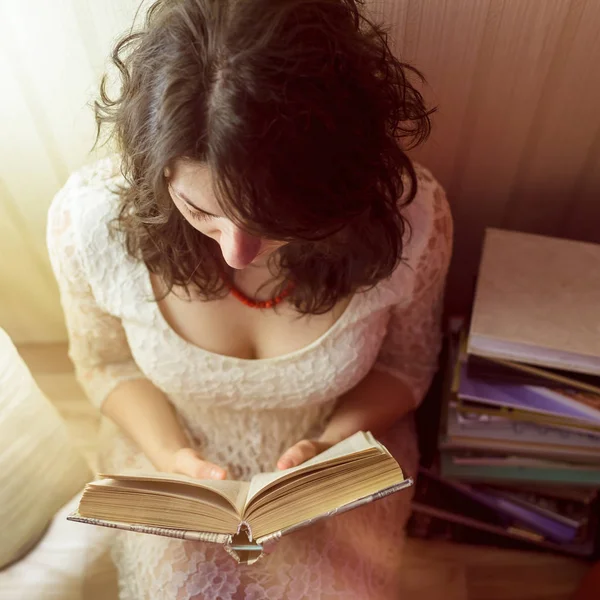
{"type": "Point", "coordinates": [97, 343]}
{"type": "Point", "coordinates": [413, 340]}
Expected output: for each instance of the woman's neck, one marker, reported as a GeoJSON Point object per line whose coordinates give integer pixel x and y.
{"type": "Point", "coordinates": [257, 281]}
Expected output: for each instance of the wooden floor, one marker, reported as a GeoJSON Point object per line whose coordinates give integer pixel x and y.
{"type": "Point", "coordinates": [432, 571]}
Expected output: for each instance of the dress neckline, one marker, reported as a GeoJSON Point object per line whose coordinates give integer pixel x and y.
{"type": "Point", "coordinates": [160, 320]}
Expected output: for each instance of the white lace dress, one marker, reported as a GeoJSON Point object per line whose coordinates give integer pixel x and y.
{"type": "Point", "coordinates": [243, 414]}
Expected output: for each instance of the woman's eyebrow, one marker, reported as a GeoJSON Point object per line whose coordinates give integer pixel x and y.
{"type": "Point", "coordinates": [188, 201]}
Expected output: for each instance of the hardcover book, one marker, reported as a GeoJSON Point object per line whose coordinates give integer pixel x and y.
{"type": "Point", "coordinates": [537, 302]}
{"type": "Point", "coordinates": [245, 516]}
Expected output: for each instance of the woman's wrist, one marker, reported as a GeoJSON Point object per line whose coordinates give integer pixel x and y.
{"type": "Point", "coordinates": [332, 437]}
{"type": "Point", "coordinates": [164, 458]}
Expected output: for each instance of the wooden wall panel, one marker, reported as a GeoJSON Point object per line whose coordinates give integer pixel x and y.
{"type": "Point", "coordinates": [515, 139]}
{"type": "Point", "coordinates": [564, 128]}
{"type": "Point", "coordinates": [582, 215]}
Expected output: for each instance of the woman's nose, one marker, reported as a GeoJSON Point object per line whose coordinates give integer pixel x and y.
{"type": "Point", "coordinates": [239, 248]}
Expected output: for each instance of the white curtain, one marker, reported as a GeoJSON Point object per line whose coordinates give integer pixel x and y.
{"type": "Point", "coordinates": [52, 55]}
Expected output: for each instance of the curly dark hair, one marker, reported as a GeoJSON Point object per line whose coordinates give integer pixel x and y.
{"type": "Point", "coordinates": [301, 112]}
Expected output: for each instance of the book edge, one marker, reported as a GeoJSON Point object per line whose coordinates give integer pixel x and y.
{"type": "Point", "coordinates": [397, 487]}
{"type": "Point", "coordinates": [523, 514]}
{"type": "Point", "coordinates": [538, 418]}
{"type": "Point", "coordinates": [540, 371]}
{"type": "Point", "coordinates": [516, 534]}
{"type": "Point", "coordinates": [498, 474]}
{"type": "Point", "coordinates": [182, 534]}
{"type": "Point", "coordinates": [520, 352]}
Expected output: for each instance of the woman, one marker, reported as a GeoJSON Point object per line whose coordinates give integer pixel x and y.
{"type": "Point", "coordinates": [263, 280]}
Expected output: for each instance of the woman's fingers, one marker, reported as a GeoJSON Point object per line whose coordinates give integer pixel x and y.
{"type": "Point", "coordinates": [188, 462]}
{"type": "Point", "coordinates": [297, 454]}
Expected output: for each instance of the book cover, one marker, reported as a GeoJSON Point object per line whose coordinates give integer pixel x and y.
{"type": "Point", "coordinates": [506, 371]}
{"type": "Point", "coordinates": [553, 529]}
{"type": "Point", "coordinates": [439, 525]}
{"type": "Point", "coordinates": [570, 512]}
{"type": "Point", "coordinates": [508, 511]}
{"type": "Point", "coordinates": [468, 409]}
{"type": "Point", "coordinates": [443, 511]}
{"type": "Point", "coordinates": [581, 497]}
{"type": "Point", "coordinates": [514, 470]}
{"type": "Point", "coordinates": [569, 404]}
{"type": "Point", "coordinates": [537, 301]}
{"type": "Point", "coordinates": [520, 437]}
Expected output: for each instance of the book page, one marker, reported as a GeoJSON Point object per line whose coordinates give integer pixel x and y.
{"type": "Point", "coordinates": [235, 492]}
{"type": "Point", "coordinates": [159, 504]}
{"type": "Point", "coordinates": [309, 481]}
{"type": "Point", "coordinates": [357, 444]}
{"type": "Point", "coordinates": [171, 489]}
{"type": "Point", "coordinates": [326, 496]}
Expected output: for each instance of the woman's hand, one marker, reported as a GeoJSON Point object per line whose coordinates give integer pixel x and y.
{"type": "Point", "coordinates": [187, 461]}
{"type": "Point", "coordinates": [159, 434]}
{"type": "Point", "coordinates": [301, 452]}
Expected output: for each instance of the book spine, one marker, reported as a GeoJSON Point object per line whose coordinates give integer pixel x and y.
{"type": "Point", "coordinates": [479, 345]}
{"type": "Point", "coordinates": [537, 398]}
{"type": "Point", "coordinates": [516, 414]}
{"type": "Point", "coordinates": [272, 538]}
{"type": "Point", "coordinates": [545, 524]}
{"type": "Point", "coordinates": [550, 528]}
{"type": "Point", "coordinates": [568, 513]}
{"type": "Point", "coordinates": [548, 375]}
{"type": "Point", "coordinates": [515, 474]}
{"type": "Point", "coordinates": [584, 548]}
{"type": "Point", "coordinates": [181, 534]}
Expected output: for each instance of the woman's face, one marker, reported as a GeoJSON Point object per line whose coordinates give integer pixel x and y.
{"type": "Point", "coordinates": [190, 186]}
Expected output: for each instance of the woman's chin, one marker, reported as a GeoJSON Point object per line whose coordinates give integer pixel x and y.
{"type": "Point", "coordinates": [260, 260]}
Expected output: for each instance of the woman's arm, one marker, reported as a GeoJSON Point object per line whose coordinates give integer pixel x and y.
{"type": "Point", "coordinates": [408, 357]}
{"type": "Point", "coordinates": [374, 405]}
{"type": "Point", "coordinates": [142, 411]}
{"type": "Point", "coordinates": [103, 362]}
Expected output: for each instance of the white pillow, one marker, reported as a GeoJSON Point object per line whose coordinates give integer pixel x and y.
{"type": "Point", "coordinates": [72, 562]}
{"type": "Point", "coordinates": [40, 469]}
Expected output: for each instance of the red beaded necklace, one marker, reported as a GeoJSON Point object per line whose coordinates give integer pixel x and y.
{"type": "Point", "coordinates": [257, 303]}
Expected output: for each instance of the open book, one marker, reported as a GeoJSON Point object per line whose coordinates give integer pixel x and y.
{"type": "Point", "coordinates": [244, 516]}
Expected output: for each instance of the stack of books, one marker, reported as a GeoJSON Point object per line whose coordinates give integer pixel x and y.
{"type": "Point", "coordinates": [519, 435]}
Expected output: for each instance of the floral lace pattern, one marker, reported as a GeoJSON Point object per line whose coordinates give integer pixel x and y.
{"type": "Point", "coordinates": [243, 414]}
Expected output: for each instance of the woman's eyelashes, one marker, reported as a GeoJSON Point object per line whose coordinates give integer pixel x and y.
{"type": "Point", "coordinates": [196, 214]}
